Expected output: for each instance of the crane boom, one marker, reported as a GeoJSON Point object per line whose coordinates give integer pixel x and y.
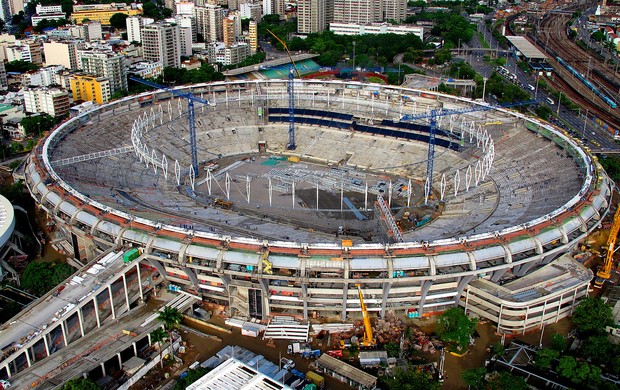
{"type": "Point", "coordinates": [432, 115]}
{"type": "Point", "coordinates": [368, 340]}
{"type": "Point", "coordinates": [604, 271]}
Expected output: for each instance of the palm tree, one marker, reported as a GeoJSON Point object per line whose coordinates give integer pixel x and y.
{"type": "Point", "coordinates": [171, 318]}
{"type": "Point", "coordinates": [158, 336]}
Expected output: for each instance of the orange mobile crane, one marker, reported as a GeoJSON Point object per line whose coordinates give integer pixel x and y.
{"type": "Point", "coordinates": [604, 271]}
{"type": "Point", "coordinates": [368, 340]}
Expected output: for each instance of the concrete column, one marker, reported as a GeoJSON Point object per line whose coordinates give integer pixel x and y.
{"type": "Point", "coordinates": [386, 292]}
{"type": "Point", "coordinates": [304, 298]}
{"type": "Point", "coordinates": [102, 368]}
{"type": "Point", "coordinates": [126, 292]}
{"type": "Point", "coordinates": [81, 321]}
{"type": "Point", "coordinates": [111, 301]}
{"type": "Point", "coordinates": [64, 332]}
{"type": "Point", "coordinates": [8, 369]}
{"type": "Point", "coordinates": [139, 280]}
{"type": "Point", "coordinates": [97, 311]}
{"type": "Point", "coordinates": [28, 359]}
{"type": "Point", "coordinates": [345, 294]}
{"type": "Point", "coordinates": [47, 344]}
{"type": "Point", "coordinates": [135, 349]}
{"type": "Point", "coordinates": [120, 361]}
{"type": "Point", "coordinates": [426, 285]}
{"type": "Point", "coordinates": [461, 286]}
{"type": "Point", "coordinates": [499, 317]}
{"type": "Point", "coordinates": [497, 275]}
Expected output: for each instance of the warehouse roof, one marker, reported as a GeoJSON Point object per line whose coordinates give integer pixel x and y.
{"type": "Point", "coordinates": [526, 48]}
{"type": "Point", "coordinates": [347, 371]}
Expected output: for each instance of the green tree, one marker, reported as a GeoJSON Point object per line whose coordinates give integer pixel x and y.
{"type": "Point", "coordinates": [40, 277]}
{"type": "Point", "coordinates": [545, 356]}
{"type": "Point", "coordinates": [454, 326]}
{"type": "Point", "coordinates": [566, 367]}
{"type": "Point", "coordinates": [80, 384]}
{"type": "Point", "coordinates": [558, 342]}
{"type": "Point", "coordinates": [119, 20]}
{"type": "Point", "coordinates": [411, 379]}
{"type": "Point", "coordinates": [474, 377]}
{"type": "Point", "coordinates": [598, 349]}
{"type": "Point", "coordinates": [591, 316]}
{"type": "Point", "coordinates": [37, 124]}
{"type": "Point", "coordinates": [171, 318]}
{"type": "Point", "coordinates": [20, 66]}
{"type": "Point", "coordinates": [543, 112]}
{"type": "Point", "coordinates": [158, 336]}
{"type": "Point", "coordinates": [191, 377]}
{"type": "Point", "coordinates": [392, 349]}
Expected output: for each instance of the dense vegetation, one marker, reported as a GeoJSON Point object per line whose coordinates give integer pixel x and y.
{"type": "Point", "coordinates": [80, 384]}
{"type": "Point", "coordinates": [40, 277]}
{"type": "Point", "coordinates": [456, 328]}
{"type": "Point", "coordinates": [20, 66]}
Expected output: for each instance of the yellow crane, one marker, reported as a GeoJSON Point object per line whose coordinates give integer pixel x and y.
{"type": "Point", "coordinates": [604, 271]}
{"type": "Point", "coordinates": [287, 52]}
{"type": "Point", "coordinates": [368, 340]}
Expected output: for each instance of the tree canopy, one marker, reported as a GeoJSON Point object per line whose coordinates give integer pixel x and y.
{"type": "Point", "coordinates": [46, 23]}
{"type": "Point", "coordinates": [591, 316]}
{"type": "Point", "coordinates": [545, 357]}
{"type": "Point", "coordinates": [80, 384]}
{"type": "Point", "coordinates": [504, 380]}
{"type": "Point", "coordinates": [454, 326]}
{"type": "Point", "coordinates": [20, 66]}
{"type": "Point", "coordinates": [179, 76]}
{"type": "Point", "coordinates": [119, 21]}
{"type": "Point", "coordinates": [37, 124]}
{"type": "Point", "coordinates": [474, 377]}
{"type": "Point", "coordinates": [40, 277]}
{"type": "Point", "coordinates": [191, 377]}
{"type": "Point", "coordinates": [411, 379]}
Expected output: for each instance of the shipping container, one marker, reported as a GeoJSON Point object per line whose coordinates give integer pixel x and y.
{"type": "Point", "coordinates": [131, 255]}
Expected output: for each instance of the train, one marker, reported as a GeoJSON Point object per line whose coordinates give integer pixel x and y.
{"type": "Point", "coordinates": [588, 84]}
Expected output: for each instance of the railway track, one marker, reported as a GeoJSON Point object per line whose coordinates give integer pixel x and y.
{"type": "Point", "coordinates": [555, 39]}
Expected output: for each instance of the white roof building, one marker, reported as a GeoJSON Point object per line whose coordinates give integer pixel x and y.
{"type": "Point", "coordinates": [235, 375]}
{"type": "Point", "coordinates": [375, 28]}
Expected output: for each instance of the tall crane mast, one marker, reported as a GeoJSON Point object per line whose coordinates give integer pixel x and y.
{"type": "Point", "coordinates": [290, 88]}
{"type": "Point", "coordinates": [190, 114]}
{"type": "Point", "coordinates": [368, 340]}
{"type": "Point", "coordinates": [604, 271]}
{"type": "Point", "coordinates": [432, 116]}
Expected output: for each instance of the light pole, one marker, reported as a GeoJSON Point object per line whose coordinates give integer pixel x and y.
{"type": "Point", "coordinates": [536, 90]}
{"type": "Point", "coordinates": [559, 100]}
{"type": "Point", "coordinates": [353, 69]}
{"type": "Point", "coordinates": [484, 87]}
{"type": "Point", "coordinates": [583, 132]}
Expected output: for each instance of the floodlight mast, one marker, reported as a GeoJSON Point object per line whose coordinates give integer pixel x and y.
{"type": "Point", "coordinates": [432, 116]}
{"type": "Point", "coordinates": [191, 99]}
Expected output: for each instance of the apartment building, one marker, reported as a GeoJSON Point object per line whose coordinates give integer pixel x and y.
{"type": "Point", "coordinates": [90, 88]}
{"type": "Point", "coordinates": [52, 101]}
{"type": "Point", "coordinates": [61, 53]}
{"type": "Point", "coordinates": [134, 26]}
{"type": "Point", "coordinates": [29, 51]}
{"type": "Point", "coordinates": [209, 22]}
{"type": "Point", "coordinates": [358, 11]}
{"type": "Point", "coordinates": [231, 29]}
{"type": "Point", "coordinates": [311, 16]}
{"type": "Point", "coordinates": [161, 42]}
{"type": "Point", "coordinates": [105, 64]}
{"type": "Point", "coordinates": [376, 28]}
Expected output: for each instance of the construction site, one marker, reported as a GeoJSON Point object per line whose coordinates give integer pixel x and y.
{"type": "Point", "coordinates": [362, 205]}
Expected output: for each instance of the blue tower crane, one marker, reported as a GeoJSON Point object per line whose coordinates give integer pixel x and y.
{"type": "Point", "coordinates": [432, 116]}
{"type": "Point", "coordinates": [191, 99]}
{"type": "Point", "coordinates": [290, 89]}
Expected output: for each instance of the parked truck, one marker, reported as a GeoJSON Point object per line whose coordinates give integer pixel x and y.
{"type": "Point", "coordinates": [316, 379]}
{"type": "Point", "coordinates": [296, 348]}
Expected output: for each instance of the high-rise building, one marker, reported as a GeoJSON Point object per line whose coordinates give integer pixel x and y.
{"type": "Point", "coordinates": [5, 10]}
{"type": "Point", "coordinates": [395, 10]}
{"type": "Point", "coordinates": [161, 42]}
{"type": "Point", "coordinates": [231, 29]}
{"type": "Point", "coordinates": [252, 11]}
{"type": "Point", "coordinates": [85, 87]}
{"type": "Point", "coordinates": [311, 16]}
{"type": "Point", "coordinates": [103, 12]}
{"type": "Point", "coordinates": [93, 30]}
{"type": "Point", "coordinates": [358, 11]}
{"type": "Point", "coordinates": [209, 22]}
{"type": "Point", "coordinates": [187, 35]}
{"type": "Point", "coordinates": [52, 101]}
{"type": "Point", "coordinates": [253, 37]}
{"type": "Point", "coordinates": [134, 26]}
{"type": "Point", "coordinates": [29, 51]}
{"type": "Point", "coordinates": [105, 64]}
{"type": "Point", "coordinates": [61, 53]}
{"type": "Point", "coordinates": [4, 82]}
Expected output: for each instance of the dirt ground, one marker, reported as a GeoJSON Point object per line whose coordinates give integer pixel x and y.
{"type": "Point", "coordinates": [200, 348]}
